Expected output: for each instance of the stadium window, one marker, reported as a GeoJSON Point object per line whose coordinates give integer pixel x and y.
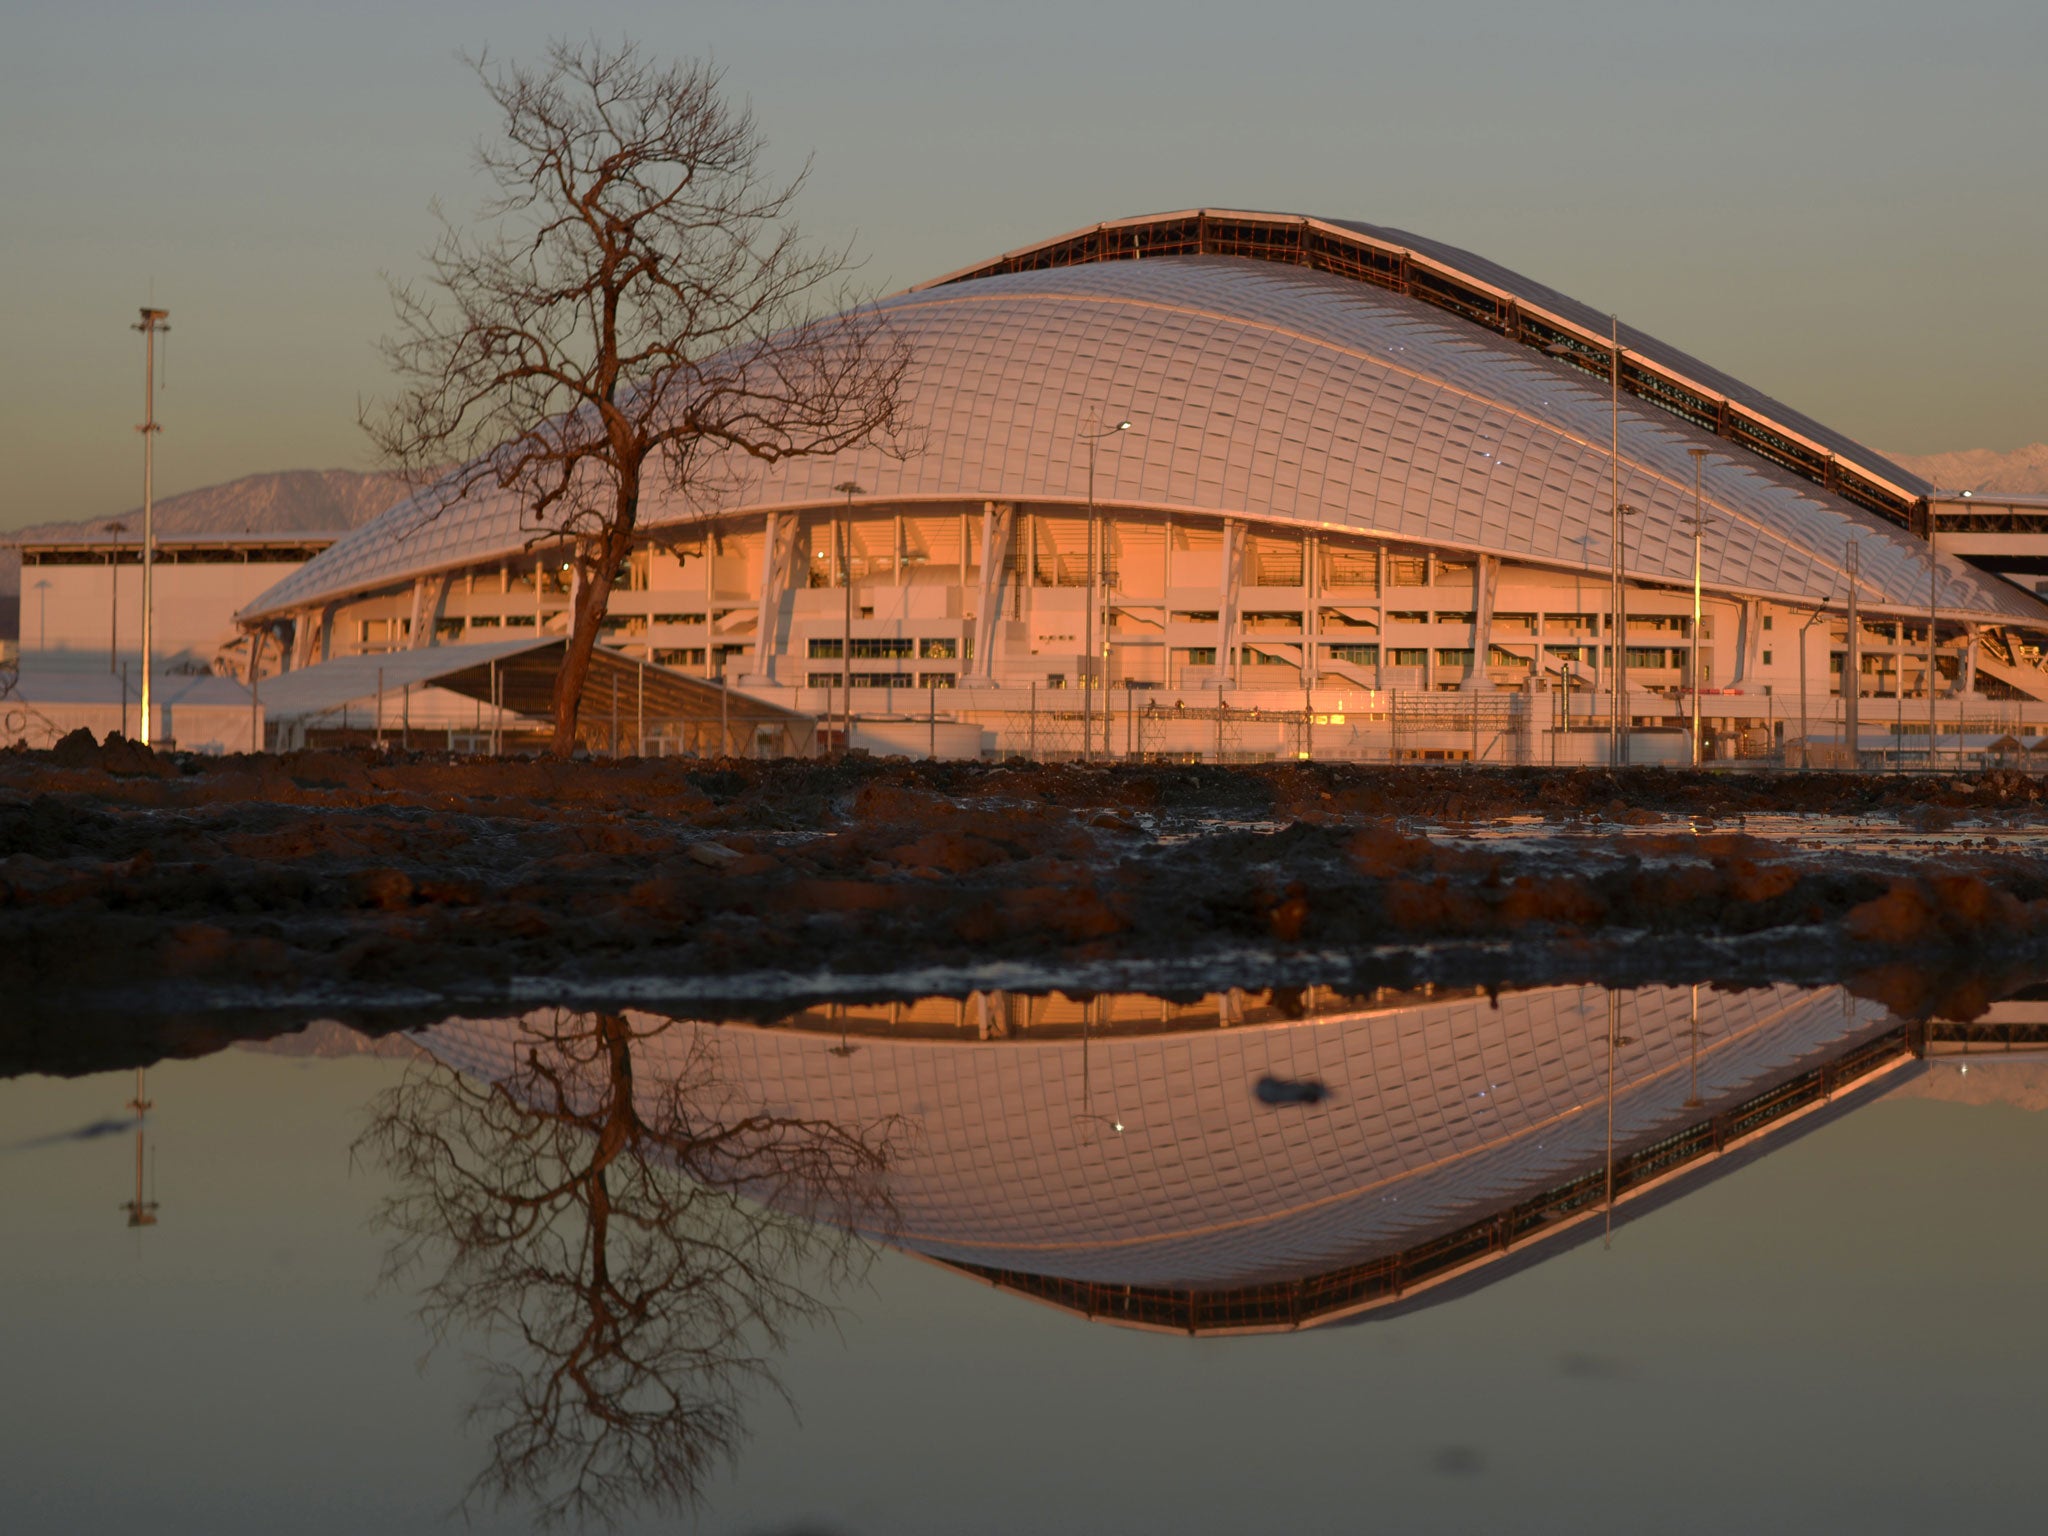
{"type": "Point", "coordinates": [1453, 656]}
{"type": "Point", "coordinates": [824, 650]}
{"type": "Point", "coordinates": [1455, 618]}
{"type": "Point", "coordinates": [1767, 658]}
{"type": "Point", "coordinates": [1408, 618]}
{"type": "Point", "coordinates": [1410, 657]}
{"type": "Point", "coordinates": [870, 648]}
{"type": "Point", "coordinates": [1351, 567]}
{"type": "Point", "coordinates": [939, 648]}
{"type": "Point", "coordinates": [1357, 655]}
{"type": "Point", "coordinates": [1196, 656]}
{"type": "Point", "coordinates": [1407, 570]}
{"type": "Point", "coordinates": [682, 656]}
{"type": "Point", "coordinates": [678, 618]}
{"type": "Point", "coordinates": [935, 679]}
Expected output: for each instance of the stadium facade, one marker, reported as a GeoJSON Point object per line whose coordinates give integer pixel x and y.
{"type": "Point", "coordinates": [1363, 506]}
{"type": "Point", "coordinates": [1113, 1156]}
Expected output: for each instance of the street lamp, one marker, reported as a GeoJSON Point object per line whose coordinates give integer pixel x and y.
{"type": "Point", "coordinates": [849, 490]}
{"type": "Point", "coordinates": [1933, 583]}
{"type": "Point", "coordinates": [153, 321]}
{"type": "Point", "coordinates": [1088, 628]}
{"type": "Point", "coordinates": [1699, 457]}
{"type": "Point", "coordinates": [1617, 608]}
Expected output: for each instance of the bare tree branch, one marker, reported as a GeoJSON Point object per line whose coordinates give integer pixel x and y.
{"type": "Point", "coordinates": [634, 304]}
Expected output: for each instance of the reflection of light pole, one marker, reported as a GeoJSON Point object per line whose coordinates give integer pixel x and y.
{"type": "Point", "coordinates": [1114, 1121]}
{"type": "Point", "coordinates": [141, 1212]}
{"type": "Point", "coordinates": [1615, 1040]}
{"type": "Point", "coordinates": [849, 490]}
{"type": "Point", "coordinates": [153, 320]}
{"type": "Point", "coordinates": [114, 599]}
{"type": "Point", "coordinates": [1692, 1099]}
{"type": "Point", "coordinates": [1088, 629]}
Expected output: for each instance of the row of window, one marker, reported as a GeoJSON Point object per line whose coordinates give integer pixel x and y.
{"type": "Point", "coordinates": [889, 648]}
{"type": "Point", "coordinates": [882, 679]}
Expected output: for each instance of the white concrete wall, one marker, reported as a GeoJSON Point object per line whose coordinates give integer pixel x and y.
{"type": "Point", "coordinates": [195, 605]}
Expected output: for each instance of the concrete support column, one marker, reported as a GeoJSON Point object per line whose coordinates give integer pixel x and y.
{"type": "Point", "coordinates": [1749, 643]}
{"type": "Point", "coordinates": [1226, 616]}
{"type": "Point", "coordinates": [1482, 623]}
{"type": "Point", "coordinates": [997, 519]}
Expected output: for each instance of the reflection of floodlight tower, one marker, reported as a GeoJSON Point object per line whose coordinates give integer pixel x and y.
{"type": "Point", "coordinates": [153, 320]}
{"type": "Point", "coordinates": [141, 1212]}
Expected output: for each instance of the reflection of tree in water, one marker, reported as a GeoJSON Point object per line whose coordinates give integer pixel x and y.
{"type": "Point", "coordinates": [643, 1248]}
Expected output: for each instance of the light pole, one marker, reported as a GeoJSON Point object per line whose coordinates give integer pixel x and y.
{"type": "Point", "coordinates": [848, 489]}
{"type": "Point", "coordinates": [114, 599]}
{"type": "Point", "coordinates": [1088, 626]}
{"type": "Point", "coordinates": [1699, 457]}
{"type": "Point", "coordinates": [1933, 583]}
{"type": "Point", "coordinates": [153, 321]}
{"type": "Point", "coordinates": [1617, 617]}
{"type": "Point", "coordinates": [43, 624]}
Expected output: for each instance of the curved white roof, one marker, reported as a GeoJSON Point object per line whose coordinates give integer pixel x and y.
{"type": "Point", "coordinates": [1287, 395]}
{"type": "Point", "coordinates": [1437, 1114]}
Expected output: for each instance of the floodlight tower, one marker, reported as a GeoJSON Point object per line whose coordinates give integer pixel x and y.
{"type": "Point", "coordinates": [153, 321]}
{"type": "Point", "coordinates": [1094, 674]}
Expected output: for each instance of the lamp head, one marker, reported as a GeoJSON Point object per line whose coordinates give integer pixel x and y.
{"type": "Point", "coordinates": [1123, 426]}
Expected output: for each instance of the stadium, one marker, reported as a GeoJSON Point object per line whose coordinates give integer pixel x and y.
{"type": "Point", "coordinates": [1228, 486]}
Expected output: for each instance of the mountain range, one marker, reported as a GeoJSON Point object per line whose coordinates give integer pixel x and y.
{"type": "Point", "coordinates": [2023, 472]}
{"type": "Point", "coordinates": [287, 501]}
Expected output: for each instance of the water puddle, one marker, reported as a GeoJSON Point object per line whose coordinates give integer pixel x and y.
{"type": "Point", "coordinates": [1429, 1238]}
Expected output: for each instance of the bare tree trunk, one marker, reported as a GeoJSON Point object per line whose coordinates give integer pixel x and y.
{"type": "Point", "coordinates": [593, 600]}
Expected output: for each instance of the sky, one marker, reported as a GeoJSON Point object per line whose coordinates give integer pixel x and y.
{"type": "Point", "coordinates": [1839, 201]}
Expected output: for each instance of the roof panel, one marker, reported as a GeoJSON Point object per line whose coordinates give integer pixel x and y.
{"type": "Point", "coordinates": [1286, 394]}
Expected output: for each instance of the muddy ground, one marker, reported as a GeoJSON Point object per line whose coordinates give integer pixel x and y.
{"type": "Point", "coordinates": [368, 886]}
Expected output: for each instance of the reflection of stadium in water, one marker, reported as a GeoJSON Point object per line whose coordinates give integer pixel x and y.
{"type": "Point", "coordinates": [1113, 1158]}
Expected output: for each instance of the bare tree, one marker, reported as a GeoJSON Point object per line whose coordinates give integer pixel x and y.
{"type": "Point", "coordinates": [630, 1252]}
{"type": "Point", "coordinates": [631, 306]}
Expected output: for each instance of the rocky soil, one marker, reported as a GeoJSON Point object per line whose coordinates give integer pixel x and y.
{"type": "Point", "coordinates": [365, 886]}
